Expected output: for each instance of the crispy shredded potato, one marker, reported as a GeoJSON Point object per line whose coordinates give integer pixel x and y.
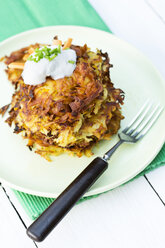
{"type": "Point", "coordinates": [69, 114]}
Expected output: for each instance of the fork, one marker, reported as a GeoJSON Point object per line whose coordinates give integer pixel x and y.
{"type": "Point", "coordinates": [137, 128]}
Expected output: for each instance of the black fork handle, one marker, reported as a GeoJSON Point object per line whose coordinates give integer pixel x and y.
{"type": "Point", "coordinates": [40, 228]}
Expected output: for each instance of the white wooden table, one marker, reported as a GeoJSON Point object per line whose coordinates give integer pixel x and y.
{"type": "Point", "coordinates": [133, 215]}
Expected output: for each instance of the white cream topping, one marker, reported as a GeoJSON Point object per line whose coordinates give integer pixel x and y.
{"type": "Point", "coordinates": [61, 66]}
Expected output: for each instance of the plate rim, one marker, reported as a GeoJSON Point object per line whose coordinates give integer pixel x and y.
{"type": "Point", "coordinates": [102, 189]}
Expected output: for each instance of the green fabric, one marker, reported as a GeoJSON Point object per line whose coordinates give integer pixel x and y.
{"type": "Point", "coordinates": [19, 15]}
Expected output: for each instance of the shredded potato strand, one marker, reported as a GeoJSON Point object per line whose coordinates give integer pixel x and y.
{"type": "Point", "coordinates": [67, 43]}
{"type": "Point", "coordinates": [57, 42]}
{"type": "Point", "coordinates": [16, 65]}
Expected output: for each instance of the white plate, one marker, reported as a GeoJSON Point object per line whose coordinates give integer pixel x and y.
{"type": "Point", "coordinates": [132, 72]}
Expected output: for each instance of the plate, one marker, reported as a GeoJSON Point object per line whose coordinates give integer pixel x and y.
{"type": "Point", "coordinates": [26, 171]}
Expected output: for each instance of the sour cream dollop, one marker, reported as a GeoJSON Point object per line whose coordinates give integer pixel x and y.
{"type": "Point", "coordinates": [61, 66]}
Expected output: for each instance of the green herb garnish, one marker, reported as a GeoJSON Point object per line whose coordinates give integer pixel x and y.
{"type": "Point", "coordinates": [46, 53]}
{"type": "Point", "coordinates": [71, 62]}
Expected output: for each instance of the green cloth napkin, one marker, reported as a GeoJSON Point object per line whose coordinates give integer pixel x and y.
{"type": "Point", "coordinates": [20, 15]}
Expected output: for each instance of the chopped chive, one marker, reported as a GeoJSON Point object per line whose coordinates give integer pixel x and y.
{"type": "Point", "coordinates": [51, 58]}
{"type": "Point", "coordinates": [71, 62]}
{"type": "Point", "coordinates": [45, 52]}
{"type": "Point", "coordinates": [59, 49]}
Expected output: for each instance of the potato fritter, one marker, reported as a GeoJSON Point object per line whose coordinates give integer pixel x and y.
{"type": "Point", "coordinates": [69, 114]}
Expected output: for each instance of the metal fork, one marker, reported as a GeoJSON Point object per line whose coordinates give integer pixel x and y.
{"type": "Point", "coordinates": [138, 127]}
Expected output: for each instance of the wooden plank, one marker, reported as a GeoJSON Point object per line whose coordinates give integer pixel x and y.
{"type": "Point", "coordinates": [135, 22]}
{"type": "Point", "coordinates": [11, 229]}
{"type": "Point", "coordinates": [133, 212]}
{"type": "Point", "coordinates": [19, 207]}
{"type": "Point", "coordinates": [129, 216]}
{"type": "Point", "coordinates": [157, 180]}
{"type": "Point", "coordinates": [158, 6]}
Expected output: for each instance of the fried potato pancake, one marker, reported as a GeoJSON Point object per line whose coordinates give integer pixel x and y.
{"type": "Point", "coordinates": [70, 114]}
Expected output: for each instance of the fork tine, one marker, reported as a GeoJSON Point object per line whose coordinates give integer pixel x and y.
{"type": "Point", "coordinates": [136, 117]}
{"type": "Point", "coordinates": [140, 119]}
{"type": "Point", "coordinates": [150, 123]}
{"type": "Point", "coordinates": [146, 121]}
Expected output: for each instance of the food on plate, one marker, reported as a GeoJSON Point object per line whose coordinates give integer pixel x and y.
{"type": "Point", "coordinates": [64, 100]}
